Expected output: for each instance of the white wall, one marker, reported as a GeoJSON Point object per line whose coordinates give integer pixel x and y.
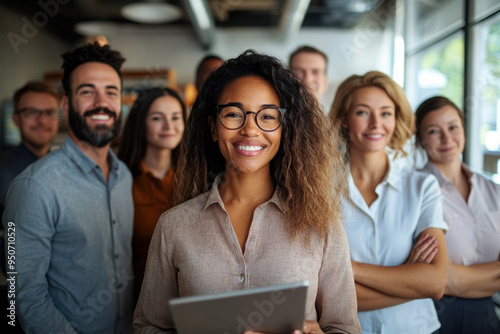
{"type": "Point", "coordinates": [353, 51]}
{"type": "Point", "coordinates": [358, 50]}
{"type": "Point", "coordinates": [38, 53]}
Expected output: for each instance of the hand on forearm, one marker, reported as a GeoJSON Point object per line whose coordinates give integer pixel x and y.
{"type": "Point", "coordinates": [475, 281]}
{"type": "Point", "coordinates": [424, 250]}
{"type": "Point", "coordinates": [413, 280]}
{"type": "Point", "coordinates": [487, 290]}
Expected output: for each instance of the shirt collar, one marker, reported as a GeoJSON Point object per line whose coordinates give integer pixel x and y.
{"type": "Point", "coordinates": [214, 196]}
{"type": "Point", "coordinates": [23, 148]}
{"type": "Point", "coordinates": [393, 175]}
{"type": "Point", "coordinates": [145, 171]}
{"type": "Point", "coordinates": [431, 168]}
{"type": "Point", "coordinates": [468, 172]}
{"type": "Point", "coordinates": [84, 161]}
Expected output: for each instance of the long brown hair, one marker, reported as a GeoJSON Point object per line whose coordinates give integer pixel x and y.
{"type": "Point", "coordinates": [133, 140]}
{"type": "Point", "coordinates": [308, 167]}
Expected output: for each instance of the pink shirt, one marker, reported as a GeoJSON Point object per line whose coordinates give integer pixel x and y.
{"type": "Point", "coordinates": [474, 226]}
{"type": "Point", "coordinates": [194, 251]}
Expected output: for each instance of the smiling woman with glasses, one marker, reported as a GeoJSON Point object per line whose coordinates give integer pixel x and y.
{"type": "Point", "coordinates": [233, 117]}
{"type": "Point", "coordinates": [258, 200]}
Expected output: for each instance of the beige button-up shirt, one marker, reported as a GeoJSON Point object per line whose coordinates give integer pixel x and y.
{"type": "Point", "coordinates": [195, 251]}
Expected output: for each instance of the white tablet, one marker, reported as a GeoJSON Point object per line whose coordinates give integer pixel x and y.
{"type": "Point", "coordinates": [273, 309]}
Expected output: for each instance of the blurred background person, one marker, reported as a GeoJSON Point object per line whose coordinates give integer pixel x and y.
{"type": "Point", "coordinates": [36, 114]}
{"type": "Point", "coordinates": [472, 211]}
{"type": "Point", "coordinates": [310, 64]}
{"type": "Point", "coordinates": [206, 66]}
{"type": "Point", "coordinates": [150, 148]}
{"type": "Point", "coordinates": [394, 217]}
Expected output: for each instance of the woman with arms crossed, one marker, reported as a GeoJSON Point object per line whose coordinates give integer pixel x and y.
{"type": "Point", "coordinates": [472, 210]}
{"type": "Point", "coordinates": [256, 183]}
{"type": "Point", "coordinates": [393, 218]}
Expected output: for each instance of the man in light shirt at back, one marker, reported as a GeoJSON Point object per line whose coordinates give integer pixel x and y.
{"type": "Point", "coordinates": [309, 64]}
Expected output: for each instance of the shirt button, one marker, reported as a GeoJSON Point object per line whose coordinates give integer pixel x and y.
{"type": "Point", "coordinates": [116, 256]}
{"type": "Point", "coordinates": [241, 278]}
{"type": "Point", "coordinates": [114, 222]}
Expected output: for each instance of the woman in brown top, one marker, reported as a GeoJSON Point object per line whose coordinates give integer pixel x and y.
{"type": "Point", "coordinates": [150, 148]}
{"type": "Point", "coordinates": [255, 188]}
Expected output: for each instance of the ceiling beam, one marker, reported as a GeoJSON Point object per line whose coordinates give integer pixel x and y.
{"type": "Point", "coordinates": [292, 17]}
{"type": "Point", "coordinates": [98, 10]}
{"type": "Point", "coordinates": [202, 21]}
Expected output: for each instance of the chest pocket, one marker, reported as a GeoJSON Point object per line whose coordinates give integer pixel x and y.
{"type": "Point", "coordinates": [454, 221]}
{"type": "Point", "coordinates": [493, 220]}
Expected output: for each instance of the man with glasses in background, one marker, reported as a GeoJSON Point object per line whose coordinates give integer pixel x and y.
{"type": "Point", "coordinates": [37, 117]}
{"type": "Point", "coordinates": [36, 114]}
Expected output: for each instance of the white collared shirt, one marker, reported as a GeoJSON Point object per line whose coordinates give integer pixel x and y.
{"type": "Point", "coordinates": [383, 234]}
{"type": "Point", "coordinates": [474, 235]}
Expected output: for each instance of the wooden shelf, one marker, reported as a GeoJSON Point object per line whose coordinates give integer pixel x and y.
{"type": "Point", "coordinates": [167, 77]}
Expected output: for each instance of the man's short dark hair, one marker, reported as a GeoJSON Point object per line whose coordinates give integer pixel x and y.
{"type": "Point", "coordinates": [308, 49]}
{"type": "Point", "coordinates": [201, 64]}
{"type": "Point", "coordinates": [89, 53]}
{"type": "Point", "coordinates": [32, 86]}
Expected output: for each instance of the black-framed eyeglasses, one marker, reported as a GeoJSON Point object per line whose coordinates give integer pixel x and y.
{"type": "Point", "coordinates": [232, 116]}
{"type": "Point", "coordinates": [33, 113]}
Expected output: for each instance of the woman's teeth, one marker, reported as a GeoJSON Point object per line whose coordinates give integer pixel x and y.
{"type": "Point", "coordinates": [250, 148]}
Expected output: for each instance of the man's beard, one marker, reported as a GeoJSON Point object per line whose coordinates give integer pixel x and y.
{"type": "Point", "coordinates": [102, 134]}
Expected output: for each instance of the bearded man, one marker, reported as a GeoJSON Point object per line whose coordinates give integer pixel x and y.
{"type": "Point", "coordinates": [71, 212]}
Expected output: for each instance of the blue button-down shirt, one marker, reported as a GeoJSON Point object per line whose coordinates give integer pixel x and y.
{"type": "Point", "coordinates": [73, 235]}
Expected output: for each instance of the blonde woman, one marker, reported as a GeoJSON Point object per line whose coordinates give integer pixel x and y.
{"type": "Point", "coordinates": [393, 218]}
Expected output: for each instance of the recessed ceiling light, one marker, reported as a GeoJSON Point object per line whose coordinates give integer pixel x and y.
{"type": "Point", "coordinates": [151, 12]}
{"type": "Point", "coordinates": [95, 28]}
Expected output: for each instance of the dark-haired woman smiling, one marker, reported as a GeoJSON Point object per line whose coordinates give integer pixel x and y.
{"type": "Point", "coordinates": [472, 211]}
{"type": "Point", "coordinates": [150, 148]}
{"type": "Point", "coordinates": [255, 188]}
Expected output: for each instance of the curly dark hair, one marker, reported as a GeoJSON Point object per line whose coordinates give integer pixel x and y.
{"type": "Point", "coordinates": [89, 53]}
{"type": "Point", "coordinates": [133, 140]}
{"type": "Point", "coordinates": [308, 164]}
